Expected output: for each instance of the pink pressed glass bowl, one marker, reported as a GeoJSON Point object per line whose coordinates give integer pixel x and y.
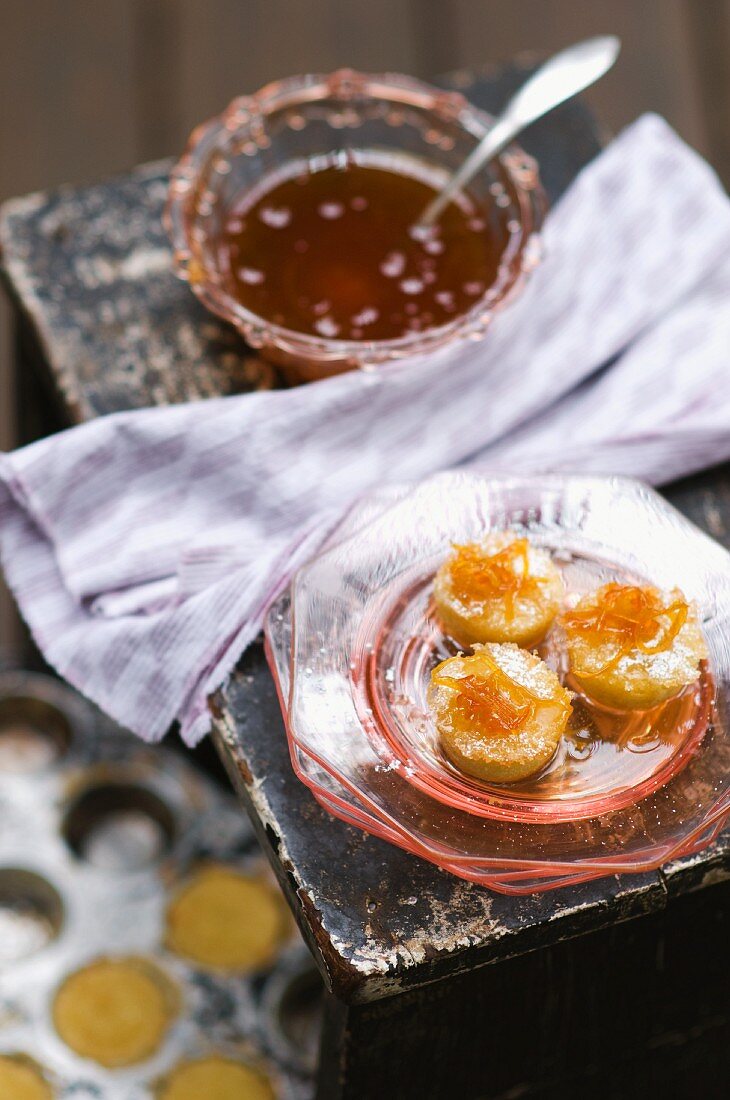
{"type": "Point", "coordinates": [628, 808]}
{"type": "Point", "coordinates": [316, 116]}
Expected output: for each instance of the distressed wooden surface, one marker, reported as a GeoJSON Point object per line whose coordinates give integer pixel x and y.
{"type": "Point", "coordinates": [634, 1012]}
{"type": "Point", "coordinates": [106, 323]}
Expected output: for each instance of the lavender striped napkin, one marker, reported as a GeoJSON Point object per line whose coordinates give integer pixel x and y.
{"type": "Point", "coordinates": [144, 547]}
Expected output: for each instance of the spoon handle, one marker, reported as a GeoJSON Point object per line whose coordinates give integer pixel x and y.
{"type": "Point", "coordinates": [561, 77]}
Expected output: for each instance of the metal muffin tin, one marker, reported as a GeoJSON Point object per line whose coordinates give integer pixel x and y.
{"type": "Point", "coordinates": [96, 831]}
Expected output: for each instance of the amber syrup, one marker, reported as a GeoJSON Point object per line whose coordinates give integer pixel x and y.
{"type": "Point", "coordinates": [327, 248]}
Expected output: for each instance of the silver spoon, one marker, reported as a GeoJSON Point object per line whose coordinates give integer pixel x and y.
{"type": "Point", "coordinates": [560, 78]}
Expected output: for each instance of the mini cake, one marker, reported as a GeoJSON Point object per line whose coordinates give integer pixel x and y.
{"type": "Point", "coordinates": [215, 1078]}
{"type": "Point", "coordinates": [115, 1011]}
{"type": "Point", "coordinates": [226, 920]}
{"type": "Point", "coordinates": [501, 589]}
{"type": "Point", "coordinates": [21, 1079]}
{"type": "Point", "coordinates": [633, 646]}
{"type": "Point", "coordinates": [500, 713]}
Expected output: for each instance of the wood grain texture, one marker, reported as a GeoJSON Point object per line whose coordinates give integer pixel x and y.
{"type": "Point", "coordinates": [709, 41]}
{"type": "Point", "coordinates": [231, 48]}
{"type": "Point", "coordinates": [657, 69]}
{"type": "Point", "coordinates": [157, 75]}
{"type": "Point", "coordinates": [66, 88]}
{"type": "Point", "coordinates": [66, 113]}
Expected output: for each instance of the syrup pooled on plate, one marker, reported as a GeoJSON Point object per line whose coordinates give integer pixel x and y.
{"type": "Point", "coordinates": [327, 249]}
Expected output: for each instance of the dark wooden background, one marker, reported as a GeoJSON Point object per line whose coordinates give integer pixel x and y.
{"type": "Point", "coordinates": [91, 87]}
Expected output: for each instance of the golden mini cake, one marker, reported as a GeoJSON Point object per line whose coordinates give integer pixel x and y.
{"type": "Point", "coordinates": [115, 1011]}
{"type": "Point", "coordinates": [633, 646]}
{"type": "Point", "coordinates": [500, 713]}
{"type": "Point", "coordinates": [501, 589]}
{"type": "Point", "coordinates": [215, 1078]}
{"type": "Point", "coordinates": [21, 1079]}
{"type": "Point", "coordinates": [226, 920]}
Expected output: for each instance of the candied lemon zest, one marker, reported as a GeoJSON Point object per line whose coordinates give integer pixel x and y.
{"type": "Point", "coordinates": [628, 617]}
{"type": "Point", "coordinates": [492, 699]}
{"type": "Point", "coordinates": [478, 574]}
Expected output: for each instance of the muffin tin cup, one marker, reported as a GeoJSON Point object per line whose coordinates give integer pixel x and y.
{"type": "Point", "coordinates": [94, 845]}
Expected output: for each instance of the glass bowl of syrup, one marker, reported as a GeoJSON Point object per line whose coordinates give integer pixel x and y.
{"type": "Point", "coordinates": [291, 216]}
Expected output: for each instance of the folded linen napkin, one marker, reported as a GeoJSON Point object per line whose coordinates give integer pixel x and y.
{"type": "Point", "coordinates": [144, 547]}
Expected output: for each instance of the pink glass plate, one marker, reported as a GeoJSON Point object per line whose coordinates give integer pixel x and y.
{"type": "Point", "coordinates": [361, 779]}
{"type": "Point", "coordinates": [607, 759]}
